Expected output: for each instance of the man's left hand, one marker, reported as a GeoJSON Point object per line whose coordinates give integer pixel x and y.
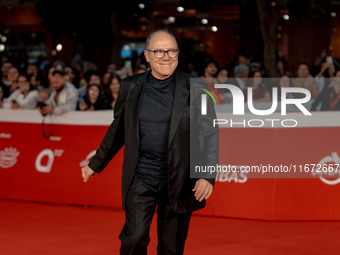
{"type": "Point", "coordinates": [202, 189]}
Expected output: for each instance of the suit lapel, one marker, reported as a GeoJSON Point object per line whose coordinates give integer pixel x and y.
{"type": "Point", "coordinates": [136, 100]}
{"type": "Point", "coordinates": [180, 103]}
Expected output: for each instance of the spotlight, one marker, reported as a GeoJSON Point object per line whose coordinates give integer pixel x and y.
{"type": "Point", "coordinates": [180, 9]}
{"type": "Point", "coordinates": [214, 29]}
{"type": "Point", "coordinates": [59, 47]}
{"type": "Point", "coordinates": [204, 21]}
{"type": "Point", "coordinates": [171, 19]}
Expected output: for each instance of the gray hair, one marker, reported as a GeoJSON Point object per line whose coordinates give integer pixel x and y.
{"type": "Point", "coordinates": [148, 39]}
{"type": "Point", "coordinates": [241, 70]}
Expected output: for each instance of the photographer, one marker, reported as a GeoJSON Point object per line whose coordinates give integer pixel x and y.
{"type": "Point", "coordinates": [64, 95]}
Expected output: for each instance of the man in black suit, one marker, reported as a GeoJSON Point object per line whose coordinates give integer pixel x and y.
{"type": "Point", "coordinates": [152, 120]}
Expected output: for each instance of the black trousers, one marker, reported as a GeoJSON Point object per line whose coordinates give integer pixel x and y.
{"type": "Point", "coordinates": [172, 228]}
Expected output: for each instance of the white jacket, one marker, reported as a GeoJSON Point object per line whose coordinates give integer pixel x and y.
{"type": "Point", "coordinates": [67, 99]}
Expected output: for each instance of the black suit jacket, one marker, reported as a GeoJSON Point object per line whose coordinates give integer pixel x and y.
{"type": "Point", "coordinates": [124, 130]}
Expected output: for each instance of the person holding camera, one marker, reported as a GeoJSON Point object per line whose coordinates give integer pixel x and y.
{"type": "Point", "coordinates": [64, 96]}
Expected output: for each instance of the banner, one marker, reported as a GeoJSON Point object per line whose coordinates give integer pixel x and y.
{"type": "Point", "coordinates": [35, 168]}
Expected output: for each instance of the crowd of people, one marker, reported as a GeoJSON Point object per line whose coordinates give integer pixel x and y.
{"type": "Point", "coordinates": [322, 80]}
{"type": "Point", "coordinates": [57, 88]}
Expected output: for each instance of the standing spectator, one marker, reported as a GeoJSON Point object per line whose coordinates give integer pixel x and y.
{"type": "Point", "coordinates": [4, 71]}
{"type": "Point", "coordinates": [106, 77]}
{"type": "Point", "coordinates": [242, 59]}
{"type": "Point", "coordinates": [32, 69]}
{"type": "Point", "coordinates": [64, 96]}
{"type": "Point", "coordinates": [210, 69]}
{"type": "Point", "coordinates": [329, 97]}
{"type": "Point", "coordinates": [111, 68]}
{"type": "Point", "coordinates": [281, 67]}
{"type": "Point", "coordinates": [254, 64]}
{"type": "Point", "coordinates": [35, 81]}
{"type": "Point", "coordinates": [222, 75]}
{"type": "Point", "coordinates": [93, 100]}
{"type": "Point", "coordinates": [12, 81]}
{"type": "Point", "coordinates": [260, 92]}
{"type": "Point", "coordinates": [50, 74]}
{"type": "Point", "coordinates": [82, 87]}
{"type": "Point", "coordinates": [4, 83]}
{"type": "Point", "coordinates": [327, 72]}
{"type": "Point", "coordinates": [26, 97]}
{"type": "Point", "coordinates": [285, 82]}
{"type": "Point", "coordinates": [305, 80]}
{"type": "Point", "coordinates": [111, 90]}
{"type": "Point", "coordinates": [241, 73]}
{"type": "Point", "coordinates": [70, 75]}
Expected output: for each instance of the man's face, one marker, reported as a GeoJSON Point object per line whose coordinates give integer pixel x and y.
{"type": "Point", "coordinates": [58, 81]}
{"type": "Point", "coordinates": [211, 70]}
{"type": "Point", "coordinates": [164, 67]}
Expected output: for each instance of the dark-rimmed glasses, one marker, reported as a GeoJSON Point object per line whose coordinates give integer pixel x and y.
{"type": "Point", "coordinates": [172, 53]}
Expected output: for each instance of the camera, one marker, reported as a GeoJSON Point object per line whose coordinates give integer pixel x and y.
{"type": "Point", "coordinates": [41, 104]}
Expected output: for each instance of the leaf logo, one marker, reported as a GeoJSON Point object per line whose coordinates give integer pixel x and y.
{"type": "Point", "coordinates": [8, 157]}
{"type": "Point", "coordinates": [208, 85]}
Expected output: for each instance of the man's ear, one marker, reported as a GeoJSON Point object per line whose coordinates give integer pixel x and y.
{"type": "Point", "coordinates": [147, 56]}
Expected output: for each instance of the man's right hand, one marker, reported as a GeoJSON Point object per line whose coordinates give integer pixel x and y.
{"type": "Point", "coordinates": [87, 172]}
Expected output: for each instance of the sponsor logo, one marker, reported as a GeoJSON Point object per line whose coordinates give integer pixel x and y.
{"type": "Point", "coordinates": [234, 175]}
{"type": "Point", "coordinates": [8, 157]}
{"type": "Point", "coordinates": [331, 174]}
{"type": "Point", "coordinates": [46, 168]}
{"type": "Point", "coordinates": [55, 138]}
{"type": "Point", "coordinates": [5, 135]}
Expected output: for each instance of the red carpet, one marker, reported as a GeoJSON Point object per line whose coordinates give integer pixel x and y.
{"type": "Point", "coordinates": [34, 228]}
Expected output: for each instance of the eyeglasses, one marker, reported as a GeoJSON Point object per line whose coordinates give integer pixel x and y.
{"type": "Point", "coordinates": [172, 53]}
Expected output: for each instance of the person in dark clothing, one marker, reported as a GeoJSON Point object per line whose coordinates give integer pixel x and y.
{"type": "Point", "coordinates": [329, 98]}
{"type": "Point", "coordinates": [152, 120]}
{"type": "Point", "coordinates": [93, 100]}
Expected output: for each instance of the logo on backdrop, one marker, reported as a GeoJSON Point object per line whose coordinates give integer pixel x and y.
{"type": "Point", "coordinates": [5, 135]}
{"type": "Point", "coordinates": [86, 161]}
{"type": "Point", "coordinates": [333, 170]}
{"type": "Point", "coordinates": [8, 157]}
{"type": "Point", "coordinates": [50, 154]}
{"type": "Point", "coordinates": [239, 105]}
{"type": "Point", "coordinates": [229, 176]}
